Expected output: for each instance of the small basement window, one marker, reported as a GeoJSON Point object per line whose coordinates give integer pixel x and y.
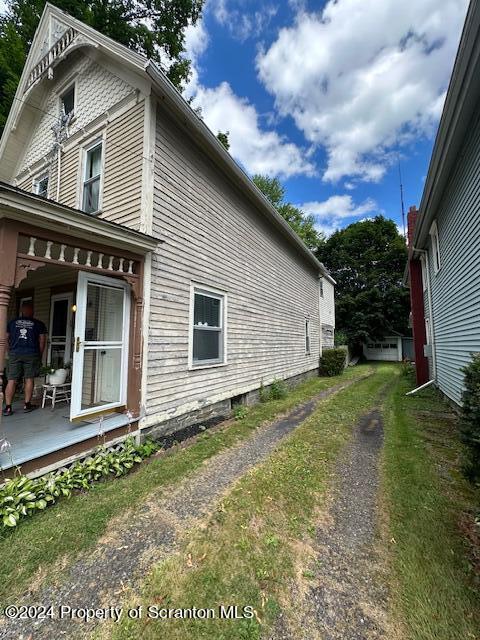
{"type": "Point", "coordinates": [208, 328]}
{"type": "Point", "coordinates": [40, 185]}
{"type": "Point", "coordinates": [67, 101]}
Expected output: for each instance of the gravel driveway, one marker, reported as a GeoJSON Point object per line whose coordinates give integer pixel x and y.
{"type": "Point", "coordinates": [346, 594]}
{"type": "Point", "coordinates": [133, 543]}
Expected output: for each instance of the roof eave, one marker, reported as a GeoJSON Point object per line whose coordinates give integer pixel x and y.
{"type": "Point", "coordinates": [18, 205]}
{"type": "Point", "coordinates": [462, 99]}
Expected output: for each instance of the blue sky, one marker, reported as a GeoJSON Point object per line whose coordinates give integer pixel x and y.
{"type": "Point", "coordinates": [328, 95]}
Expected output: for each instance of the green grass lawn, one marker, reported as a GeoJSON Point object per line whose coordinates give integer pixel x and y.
{"type": "Point", "coordinates": [36, 549]}
{"type": "Point", "coordinates": [256, 539]}
{"type": "Point", "coordinates": [434, 594]}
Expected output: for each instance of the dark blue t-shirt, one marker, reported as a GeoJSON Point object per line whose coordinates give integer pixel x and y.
{"type": "Point", "coordinates": [23, 336]}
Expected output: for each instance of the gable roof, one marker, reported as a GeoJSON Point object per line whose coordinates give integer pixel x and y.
{"type": "Point", "coordinates": [179, 109]}
{"type": "Point", "coordinates": [463, 98]}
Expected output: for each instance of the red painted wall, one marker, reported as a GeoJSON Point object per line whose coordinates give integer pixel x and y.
{"type": "Point", "coordinates": [416, 302]}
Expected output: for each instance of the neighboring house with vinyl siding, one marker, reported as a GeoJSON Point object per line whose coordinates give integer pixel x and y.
{"type": "Point", "coordinates": [163, 274]}
{"type": "Point", "coordinates": [444, 235]}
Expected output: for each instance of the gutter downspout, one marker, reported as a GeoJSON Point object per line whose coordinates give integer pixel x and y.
{"type": "Point", "coordinates": [422, 386]}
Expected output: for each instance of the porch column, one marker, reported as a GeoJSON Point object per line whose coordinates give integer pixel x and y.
{"type": "Point", "coordinates": [8, 263]}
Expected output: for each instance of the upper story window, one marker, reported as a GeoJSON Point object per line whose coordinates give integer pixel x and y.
{"type": "Point", "coordinates": [208, 344]}
{"type": "Point", "coordinates": [321, 286]}
{"type": "Point", "coordinates": [67, 100]}
{"type": "Point", "coordinates": [423, 265]}
{"type": "Point", "coordinates": [435, 247]}
{"type": "Point", "coordinates": [92, 178]}
{"type": "Point", "coordinates": [307, 336]}
{"type": "Point", "coordinates": [40, 185]}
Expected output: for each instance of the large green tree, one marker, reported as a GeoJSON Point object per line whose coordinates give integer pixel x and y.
{"type": "Point", "coordinates": [152, 27]}
{"type": "Point", "coordinates": [367, 259]}
{"type": "Point", "coordinates": [303, 224]}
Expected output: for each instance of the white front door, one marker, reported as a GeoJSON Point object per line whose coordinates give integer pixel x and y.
{"type": "Point", "coordinates": [100, 350]}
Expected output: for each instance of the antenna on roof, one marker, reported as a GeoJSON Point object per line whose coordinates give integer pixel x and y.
{"type": "Point", "coordinates": [401, 196]}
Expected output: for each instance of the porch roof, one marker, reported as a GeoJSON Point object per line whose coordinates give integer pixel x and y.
{"type": "Point", "coordinates": [17, 204]}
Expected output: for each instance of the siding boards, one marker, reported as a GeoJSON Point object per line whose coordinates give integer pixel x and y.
{"type": "Point", "coordinates": [122, 191]}
{"type": "Point", "coordinates": [456, 287]}
{"type": "Point", "coordinates": [214, 237]}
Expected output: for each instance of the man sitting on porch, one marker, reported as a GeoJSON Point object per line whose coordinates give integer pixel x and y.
{"type": "Point", "coordinates": [26, 338]}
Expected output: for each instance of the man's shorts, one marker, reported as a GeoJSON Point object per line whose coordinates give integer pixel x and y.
{"type": "Point", "coordinates": [21, 366]}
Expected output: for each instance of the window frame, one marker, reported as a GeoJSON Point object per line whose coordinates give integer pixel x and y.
{"type": "Point", "coordinates": [197, 288]}
{"type": "Point", "coordinates": [66, 89]}
{"type": "Point", "coordinates": [435, 242]}
{"type": "Point", "coordinates": [423, 266]}
{"type": "Point", "coordinates": [308, 342]}
{"type": "Point", "coordinates": [320, 284]}
{"type": "Point", "coordinates": [86, 149]}
{"type": "Point", "coordinates": [36, 182]}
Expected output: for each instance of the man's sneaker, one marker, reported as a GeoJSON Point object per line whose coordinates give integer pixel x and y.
{"type": "Point", "coordinates": [28, 406]}
{"type": "Point", "coordinates": [8, 410]}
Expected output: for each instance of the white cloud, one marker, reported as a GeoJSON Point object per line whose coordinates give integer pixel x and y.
{"type": "Point", "coordinates": [360, 78]}
{"type": "Point", "coordinates": [196, 43]}
{"type": "Point", "coordinates": [242, 23]}
{"type": "Point", "coordinates": [331, 214]}
{"type": "Point", "coordinates": [259, 151]}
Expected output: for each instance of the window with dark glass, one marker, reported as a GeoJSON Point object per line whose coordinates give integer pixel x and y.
{"type": "Point", "coordinates": [41, 186]}
{"type": "Point", "coordinates": [91, 183]}
{"type": "Point", "coordinates": [207, 328]}
{"type": "Point", "coordinates": [67, 101]}
{"type": "Point", "coordinates": [307, 336]}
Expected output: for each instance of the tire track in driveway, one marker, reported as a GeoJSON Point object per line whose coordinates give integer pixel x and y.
{"type": "Point", "coordinates": [152, 532]}
{"type": "Point", "coordinates": [347, 596]}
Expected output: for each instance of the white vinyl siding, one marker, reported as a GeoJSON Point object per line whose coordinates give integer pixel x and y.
{"type": "Point", "coordinates": [214, 236]}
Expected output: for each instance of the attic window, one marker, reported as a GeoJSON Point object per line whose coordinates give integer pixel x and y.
{"type": "Point", "coordinates": [67, 100]}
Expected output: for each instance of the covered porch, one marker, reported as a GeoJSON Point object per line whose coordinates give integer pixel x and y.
{"type": "Point", "coordinates": [89, 296]}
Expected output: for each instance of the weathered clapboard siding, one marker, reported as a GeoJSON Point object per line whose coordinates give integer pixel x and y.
{"type": "Point", "coordinates": [214, 237]}
{"type": "Point", "coordinates": [122, 191]}
{"type": "Point", "coordinates": [456, 287]}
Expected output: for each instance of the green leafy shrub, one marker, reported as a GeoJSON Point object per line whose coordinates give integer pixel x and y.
{"type": "Point", "coordinates": [275, 391]}
{"type": "Point", "coordinates": [278, 389]}
{"type": "Point", "coordinates": [340, 338]}
{"type": "Point", "coordinates": [407, 369]}
{"type": "Point", "coordinates": [332, 362]}
{"type": "Point", "coordinates": [240, 412]}
{"type": "Point", "coordinates": [470, 421]}
{"type": "Point", "coordinates": [21, 496]}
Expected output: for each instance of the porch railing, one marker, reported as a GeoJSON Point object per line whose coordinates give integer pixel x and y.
{"type": "Point", "coordinates": [49, 58]}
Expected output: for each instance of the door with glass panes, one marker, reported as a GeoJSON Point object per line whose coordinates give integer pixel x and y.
{"type": "Point", "coordinates": [100, 350]}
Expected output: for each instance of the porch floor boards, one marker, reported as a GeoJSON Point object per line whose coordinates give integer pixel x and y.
{"type": "Point", "coordinates": [43, 431]}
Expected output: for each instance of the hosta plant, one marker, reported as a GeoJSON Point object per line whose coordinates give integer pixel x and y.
{"type": "Point", "coordinates": [21, 496]}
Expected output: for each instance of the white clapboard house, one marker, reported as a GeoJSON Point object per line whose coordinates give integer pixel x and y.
{"type": "Point", "coordinates": [165, 278]}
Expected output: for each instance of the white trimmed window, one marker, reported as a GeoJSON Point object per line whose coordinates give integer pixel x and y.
{"type": "Point", "coordinates": [320, 282]}
{"type": "Point", "coordinates": [435, 247]}
{"type": "Point", "coordinates": [67, 100]}
{"type": "Point", "coordinates": [208, 327]}
{"type": "Point", "coordinates": [40, 185]}
{"type": "Point", "coordinates": [423, 266]}
{"type": "Point", "coordinates": [307, 336]}
{"type": "Point", "coordinates": [92, 178]}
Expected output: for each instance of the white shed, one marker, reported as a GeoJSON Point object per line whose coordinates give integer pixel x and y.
{"type": "Point", "coordinates": [389, 349]}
